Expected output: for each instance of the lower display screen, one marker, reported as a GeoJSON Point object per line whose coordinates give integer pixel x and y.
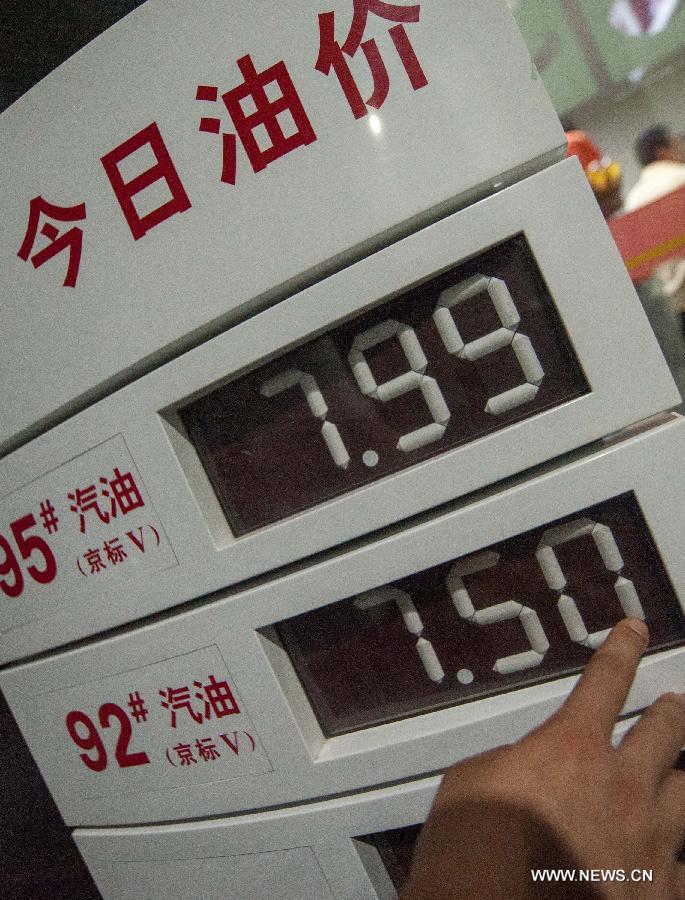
{"type": "Point", "coordinates": [395, 849]}
{"type": "Point", "coordinates": [522, 611]}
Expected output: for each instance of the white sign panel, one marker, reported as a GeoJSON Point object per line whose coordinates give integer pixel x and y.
{"type": "Point", "coordinates": [361, 845]}
{"type": "Point", "coordinates": [459, 356]}
{"type": "Point", "coordinates": [293, 874]}
{"type": "Point", "coordinates": [337, 839]}
{"type": "Point", "coordinates": [180, 723]}
{"type": "Point", "coordinates": [377, 665]}
{"type": "Point", "coordinates": [90, 518]}
{"type": "Point", "coordinates": [201, 160]}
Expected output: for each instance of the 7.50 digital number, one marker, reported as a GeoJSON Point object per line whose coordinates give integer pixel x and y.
{"type": "Point", "coordinates": [547, 560]}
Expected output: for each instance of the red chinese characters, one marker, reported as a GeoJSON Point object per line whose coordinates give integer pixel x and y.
{"type": "Point", "coordinates": [176, 699]}
{"type": "Point", "coordinates": [206, 750]}
{"type": "Point", "coordinates": [332, 55]}
{"type": "Point", "coordinates": [185, 754]}
{"type": "Point", "coordinates": [162, 170]}
{"type": "Point", "coordinates": [117, 494]}
{"type": "Point", "coordinates": [128, 734]}
{"type": "Point", "coordinates": [94, 559]}
{"type": "Point", "coordinates": [269, 117]}
{"type": "Point", "coordinates": [216, 698]}
{"type": "Point", "coordinates": [114, 551]}
{"type": "Point", "coordinates": [70, 240]}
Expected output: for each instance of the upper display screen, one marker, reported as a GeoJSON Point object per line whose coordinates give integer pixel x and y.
{"type": "Point", "coordinates": [467, 353]}
{"type": "Point", "coordinates": [524, 610]}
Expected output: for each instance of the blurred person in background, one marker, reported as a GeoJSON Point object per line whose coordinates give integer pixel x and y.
{"type": "Point", "coordinates": [661, 154]}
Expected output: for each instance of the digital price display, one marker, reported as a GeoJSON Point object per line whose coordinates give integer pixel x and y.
{"type": "Point", "coordinates": [525, 610]}
{"type": "Point", "coordinates": [473, 350]}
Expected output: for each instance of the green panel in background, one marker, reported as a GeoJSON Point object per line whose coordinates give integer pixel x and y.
{"type": "Point", "coordinates": [554, 46]}
{"type": "Point", "coordinates": [622, 53]}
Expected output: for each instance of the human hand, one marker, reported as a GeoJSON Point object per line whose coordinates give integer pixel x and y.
{"type": "Point", "coordinates": [563, 796]}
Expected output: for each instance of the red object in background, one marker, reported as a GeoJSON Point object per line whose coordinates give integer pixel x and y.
{"type": "Point", "coordinates": [580, 145]}
{"type": "Point", "coordinates": [640, 17]}
{"type": "Point", "coordinates": [643, 13]}
{"type": "Point", "coordinates": [651, 235]}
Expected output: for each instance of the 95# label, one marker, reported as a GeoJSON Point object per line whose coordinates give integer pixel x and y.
{"type": "Point", "coordinates": [87, 522]}
{"type": "Point", "coordinates": [172, 724]}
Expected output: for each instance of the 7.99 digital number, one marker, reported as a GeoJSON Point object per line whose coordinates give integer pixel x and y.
{"type": "Point", "coordinates": [471, 351]}
{"type": "Point", "coordinates": [506, 335]}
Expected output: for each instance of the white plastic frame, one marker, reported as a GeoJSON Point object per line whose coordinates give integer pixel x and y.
{"type": "Point", "coordinates": [483, 120]}
{"type": "Point", "coordinates": [304, 763]}
{"type": "Point", "coordinates": [594, 297]}
{"type": "Point", "coordinates": [147, 861]}
{"type": "Point", "coordinates": [324, 836]}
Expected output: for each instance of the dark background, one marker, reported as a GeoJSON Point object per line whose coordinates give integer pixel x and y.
{"type": "Point", "coordinates": [37, 35]}
{"type": "Point", "coordinates": [38, 858]}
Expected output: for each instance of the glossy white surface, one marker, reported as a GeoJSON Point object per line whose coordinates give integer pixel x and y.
{"type": "Point", "coordinates": [481, 120]}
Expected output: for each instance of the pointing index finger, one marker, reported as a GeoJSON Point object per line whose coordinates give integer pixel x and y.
{"type": "Point", "coordinates": [597, 699]}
